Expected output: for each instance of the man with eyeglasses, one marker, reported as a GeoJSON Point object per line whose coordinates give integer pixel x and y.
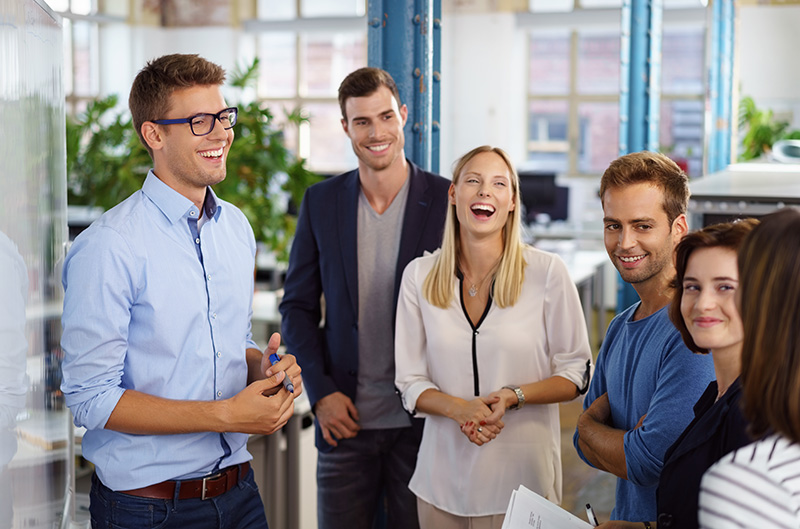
{"type": "Point", "coordinates": [159, 362]}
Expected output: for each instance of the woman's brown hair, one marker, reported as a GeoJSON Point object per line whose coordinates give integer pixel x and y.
{"type": "Point", "coordinates": [769, 284]}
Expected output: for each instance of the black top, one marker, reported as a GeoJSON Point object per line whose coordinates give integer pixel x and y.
{"type": "Point", "coordinates": [718, 428]}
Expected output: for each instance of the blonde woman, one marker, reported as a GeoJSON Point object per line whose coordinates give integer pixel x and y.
{"type": "Point", "coordinates": [489, 337]}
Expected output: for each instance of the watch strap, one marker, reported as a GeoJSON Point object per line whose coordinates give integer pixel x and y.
{"type": "Point", "coordinates": [520, 397]}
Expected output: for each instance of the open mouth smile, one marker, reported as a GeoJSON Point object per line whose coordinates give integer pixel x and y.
{"type": "Point", "coordinates": [378, 148]}
{"type": "Point", "coordinates": [632, 259]}
{"type": "Point", "coordinates": [482, 210]}
{"type": "Point", "coordinates": [212, 154]}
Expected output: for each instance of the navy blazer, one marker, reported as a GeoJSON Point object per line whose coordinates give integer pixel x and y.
{"type": "Point", "coordinates": [324, 260]}
{"type": "Point", "coordinates": [719, 427]}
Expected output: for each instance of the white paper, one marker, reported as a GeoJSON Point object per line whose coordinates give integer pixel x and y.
{"type": "Point", "coordinates": [528, 510]}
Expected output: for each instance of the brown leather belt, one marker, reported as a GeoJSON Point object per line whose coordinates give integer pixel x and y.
{"type": "Point", "coordinates": [203, 488]}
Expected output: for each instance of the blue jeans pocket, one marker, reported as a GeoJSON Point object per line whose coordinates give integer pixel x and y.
{"type": "Point", "coordinates": [114, 510]}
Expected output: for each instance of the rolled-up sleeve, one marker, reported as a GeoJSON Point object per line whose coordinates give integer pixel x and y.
{"type": "Point", "coordinates": [567, 339]}
{"type": "Point", "coordinates": [683, 376]}
{"type": "Point", "coordinates": [412, 375]}
{"type": "Point", "coordinates": [99, 292]}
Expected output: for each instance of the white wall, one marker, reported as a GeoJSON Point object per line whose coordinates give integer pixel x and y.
{"type": "Point", "coordinates": [769, 67]}
{"type": "Point", "coordinates": [126, 49]}
{"type": "Point", "coordinates": [483, 86]}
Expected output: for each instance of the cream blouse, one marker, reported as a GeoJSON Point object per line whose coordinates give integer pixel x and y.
{"type": "Point", "coordinates": [542, 335]}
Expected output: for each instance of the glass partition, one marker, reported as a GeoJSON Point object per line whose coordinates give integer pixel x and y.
{"type": "Point", "coordinates": [35, 465]}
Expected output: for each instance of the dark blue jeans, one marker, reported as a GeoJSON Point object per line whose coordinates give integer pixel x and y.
{"type": "Point", "coordinates": [239, 508]}
{"type": "Point", "coordinates": [352, 477]}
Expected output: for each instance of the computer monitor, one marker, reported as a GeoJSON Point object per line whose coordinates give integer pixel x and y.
{"type": "Point", "coordinates": [540, 194]}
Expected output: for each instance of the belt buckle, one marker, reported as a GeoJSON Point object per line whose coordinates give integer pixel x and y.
{"type": "Point", "coordinates": [205, 480]}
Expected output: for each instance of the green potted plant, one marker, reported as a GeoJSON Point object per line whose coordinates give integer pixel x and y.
{"type": "Point", "coordinates": [106, 163]}
{"type": "Point", "coordinates": [760, 130]}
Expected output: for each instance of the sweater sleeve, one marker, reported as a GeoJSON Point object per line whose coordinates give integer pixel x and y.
{"type": "Point", "coordinates": [682, 378]}
{"type": "Point", "coordinates": [597, 386]}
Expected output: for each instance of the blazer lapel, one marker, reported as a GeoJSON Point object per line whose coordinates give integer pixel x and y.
{"type": "Point", "coordinates": [708, 425]}
{"type": "Point", "coordinates": [347, 205]}
{"type": "Point", "coordinates": [416, 215]}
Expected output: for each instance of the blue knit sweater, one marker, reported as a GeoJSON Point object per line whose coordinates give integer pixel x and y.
{"type": "Point", "coordinates": [646, 369]}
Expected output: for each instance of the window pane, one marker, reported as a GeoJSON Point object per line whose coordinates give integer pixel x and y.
{"type": "Point", "coordinates": [598, 63]}
{"type": "Point", "coordinates": [58, 5]}
{"type": "Point", "coordinates": [591, 4]}
{"type": "Point", "coordinates": [279, 110]}
{"type": "Point", "coordinates": [550, 6]}
{"type": "Point", "coordinates": [681, 133]}
{"type": "Point", "coordinates": [116, 7]}
{"type": "Point", "coordinates": [598, 136]}
{"type": "Point", "coordinates": [326, 60]}
{"type": "Point", "coordinates": [549, 64]}
{"type": "Point", "coordinates": [682, 63]}
{"type": "Point", "coordinates": [82, 7]}
{"type": "Point", "coordinates": [86, 82]}
{"type": "Point", "coordinates": [276, 9]}
{"type": "Point", "coordinates": [67, 71]}
{"type": "Point", "coordinates": [327, 8]}
{"type": "Point", "coordinates": [329, 151]}
{"type": "Point", "coordinates": [278, 68]}
{"type": "Point", "coordinates": [548, 143]}
{"type": "Point", "coordinates": [680, 4]}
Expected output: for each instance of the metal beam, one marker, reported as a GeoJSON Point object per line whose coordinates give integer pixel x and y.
{"type": "Point", "coordinates": [404, 38]}
{"type": "Point", "coordinates": [720, 84]}
{"type": "Point", "coordinates": [640, 91]}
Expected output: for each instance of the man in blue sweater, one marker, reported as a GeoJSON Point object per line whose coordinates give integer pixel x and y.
{"type": "Point", "coordinates": [646, 381]}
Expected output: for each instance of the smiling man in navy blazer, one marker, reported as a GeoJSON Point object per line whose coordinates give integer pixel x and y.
{"type": "Point", "coordinates": [356, 233]}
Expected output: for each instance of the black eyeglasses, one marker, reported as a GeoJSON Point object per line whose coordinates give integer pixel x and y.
{"type": "Point", "coordinates": [202, 124]}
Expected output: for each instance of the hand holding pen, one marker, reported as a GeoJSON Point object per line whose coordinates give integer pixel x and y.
{"type": "Point", "coordinates": [271, 364]}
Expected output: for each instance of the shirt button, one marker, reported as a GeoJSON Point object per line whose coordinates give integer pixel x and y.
{"type": "Point", "coordinates": [192, 213]}
{"type": "Point", "coordinates": [214, 316]}
{"type": "Point", "coordinates": [208, 277]}
{"type": "Point", "coordinates": [197, 240]}
{"type": "Point", "coordinates": [219, 354]}
{"type": "Point", "coordinates": [219, 393]}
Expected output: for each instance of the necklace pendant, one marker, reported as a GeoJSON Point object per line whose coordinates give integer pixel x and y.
{"type": "Point", "coordinates": [473, 291]}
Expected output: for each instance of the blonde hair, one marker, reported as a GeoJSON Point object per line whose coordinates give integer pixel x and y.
{"type": "Point", "coordinates": [510, 271]}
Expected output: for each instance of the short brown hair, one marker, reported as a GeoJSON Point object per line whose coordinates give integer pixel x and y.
{"type": "Point", "coordinates": [154, 84]}
{"type": "Point", "coordinates": [728, 235]}
{"type": "Point", "coordinates": [769, 284]}
{"type": "Point", "coordinates": [364, 82]}
{"type": "Point", "coordinates": [650, 168]}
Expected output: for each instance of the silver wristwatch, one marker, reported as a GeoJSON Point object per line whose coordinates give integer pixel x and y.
{"type": "Point", "coordinates": [520, 397]}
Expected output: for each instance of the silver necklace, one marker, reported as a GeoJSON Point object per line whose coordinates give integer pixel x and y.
{"type": "Point", "coordinates": [473, 289]}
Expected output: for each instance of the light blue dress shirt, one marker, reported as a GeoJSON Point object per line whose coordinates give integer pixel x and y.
{"type": "Point", "coordinates": [152, 304]}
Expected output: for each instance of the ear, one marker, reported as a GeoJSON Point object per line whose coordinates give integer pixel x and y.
{"type": "Point", "coordinates": [681, 227]}
{"type": "Point", "coordinates": [153, 135]}
{"type": "Point", "coordinates": [451, 194]}
{"type": "Point", "coordinates": [344, 126]}
{"type": "Point", "coordinates": [404, 114]}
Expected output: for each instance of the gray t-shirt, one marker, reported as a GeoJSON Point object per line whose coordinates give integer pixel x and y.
{"type": "Point", "coordinates": [378, 245]}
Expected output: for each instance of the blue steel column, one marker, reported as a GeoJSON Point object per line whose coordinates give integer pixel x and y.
{"type": "Point", "coordinates": [720, 85]}
{"type": "Point", "coordinates": [640, 90]}
{"type": "Point", "coordinates": [404, 41]}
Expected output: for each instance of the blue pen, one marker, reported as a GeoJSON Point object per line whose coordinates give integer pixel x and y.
{"type": "Point", "coordinates": [287, 382]}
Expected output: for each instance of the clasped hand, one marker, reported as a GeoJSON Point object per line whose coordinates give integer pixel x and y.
{"type": "Point", "coordinates": [480, 419]}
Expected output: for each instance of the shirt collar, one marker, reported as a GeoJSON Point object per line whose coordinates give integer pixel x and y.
{"type": "Point", "coordinates": [175, 206]}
